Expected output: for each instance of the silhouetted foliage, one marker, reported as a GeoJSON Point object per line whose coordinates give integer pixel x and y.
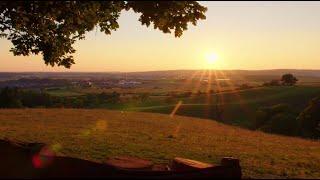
{"type": "Point", "coordinates": [278, 119]}
{"type": "Point", "coordinates": [310, 119]}
{"type": "Point", "coordinates": [16, 98]}
{"type": "Point", "coordinates": [282, 123]}
{"type": "Point", "coordinates": [9, 98]}
{"type": "Point", "coordinates": [273, 82]}
{"type": "Point", "coordinates": [36, 99]}
{"type": "Point", "coordinates": [288, 79]}
{"type": "Point", "coordinates": [52, 27]}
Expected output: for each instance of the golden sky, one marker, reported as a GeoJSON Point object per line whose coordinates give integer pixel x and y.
{"type": "Point", "coordinates": [240, 35]}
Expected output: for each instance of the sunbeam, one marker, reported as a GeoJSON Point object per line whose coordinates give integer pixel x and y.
{"type": "Point", "coordinates": [175, 109]}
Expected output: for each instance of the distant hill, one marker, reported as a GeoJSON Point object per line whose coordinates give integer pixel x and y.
{"type": "Point", "coordinates": [157, 74]}
{"type": "Point", "coordinates": [98, 134]}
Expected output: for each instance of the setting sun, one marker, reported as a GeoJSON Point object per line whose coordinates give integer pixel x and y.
{"type": "Point", "coordinates": [211, 58]}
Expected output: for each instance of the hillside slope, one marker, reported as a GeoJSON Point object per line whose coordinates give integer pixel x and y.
{"type": "Point", "coordinates": [98, 134]}
{"type": "Point", "coordinates": [239, 107]}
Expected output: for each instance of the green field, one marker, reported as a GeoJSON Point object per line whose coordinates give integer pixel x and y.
{"type": "Point", "coordinates": [98, 134]}
{"type": "Point", "coordinates": [239, 106]}
{"type": "Point", "coordinates": [62, 92]}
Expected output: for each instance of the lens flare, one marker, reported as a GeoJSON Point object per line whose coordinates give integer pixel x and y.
{"type": "Point", "coordinates": [46, 155]}
{"type": "Point", "coordinates": [101, 125]}
{"type": "Point", "coordinates": [176, 109]}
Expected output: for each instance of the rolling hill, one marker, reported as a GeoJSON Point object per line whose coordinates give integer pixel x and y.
{"type": "Point", "coordinates": [239, 107]}
{"type": "Point", "coordinates": [98, 134]}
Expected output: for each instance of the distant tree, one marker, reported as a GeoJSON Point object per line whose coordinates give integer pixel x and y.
{"type": "Point", "coordinates": [288, 79]}
{"type": "Point", "coordinates": [310, 119]}
{"type": "Point", "coordinates": [52, 27]}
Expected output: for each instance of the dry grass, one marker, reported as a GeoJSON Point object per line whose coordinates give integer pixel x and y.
{"type": "Point", "coordinates": [98, 134]}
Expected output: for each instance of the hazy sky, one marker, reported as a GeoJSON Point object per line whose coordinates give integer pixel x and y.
{"type": "Point", "coordinates": [243, 35]}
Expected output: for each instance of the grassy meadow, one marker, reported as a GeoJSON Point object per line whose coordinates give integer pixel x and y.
{"type": "Point", "coordinates": [98, 134]}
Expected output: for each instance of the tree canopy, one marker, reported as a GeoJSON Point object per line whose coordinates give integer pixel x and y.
{"type": "Point", "coordinates": [310, 119]}
{"type": "Point", "coordinates": [288, 79]}
{"type": "Point", "coordinates": [52, 27]}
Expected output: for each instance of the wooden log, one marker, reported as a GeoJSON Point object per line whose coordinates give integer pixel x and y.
{"type": "Point", "coordinates": [160, 167]}
{"type": "Point", "coordinates": [132, 163]}
{"type": "Point", "coordinates": [182, 164]}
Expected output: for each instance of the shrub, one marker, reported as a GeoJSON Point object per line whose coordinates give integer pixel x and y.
{"type": "Point", "coordinates": [309, 119]}
{"type": "Point", "coordinates": [282, 123]}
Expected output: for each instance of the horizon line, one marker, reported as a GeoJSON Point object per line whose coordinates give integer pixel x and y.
{"type": "Point", "coordinates": [156, 70]}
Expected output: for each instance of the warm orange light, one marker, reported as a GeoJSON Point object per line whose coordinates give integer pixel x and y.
{"type": "Point", "coordinates": [211, 58]}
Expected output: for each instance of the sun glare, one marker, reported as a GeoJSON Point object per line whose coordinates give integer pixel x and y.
{"type": "Point", "coordinates": [211, 58]}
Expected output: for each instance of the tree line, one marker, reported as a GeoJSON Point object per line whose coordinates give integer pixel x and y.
{"type": "Point", "coordinates": [19, 98]}
{"type": "Point", "coordinates": [286, 80]}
